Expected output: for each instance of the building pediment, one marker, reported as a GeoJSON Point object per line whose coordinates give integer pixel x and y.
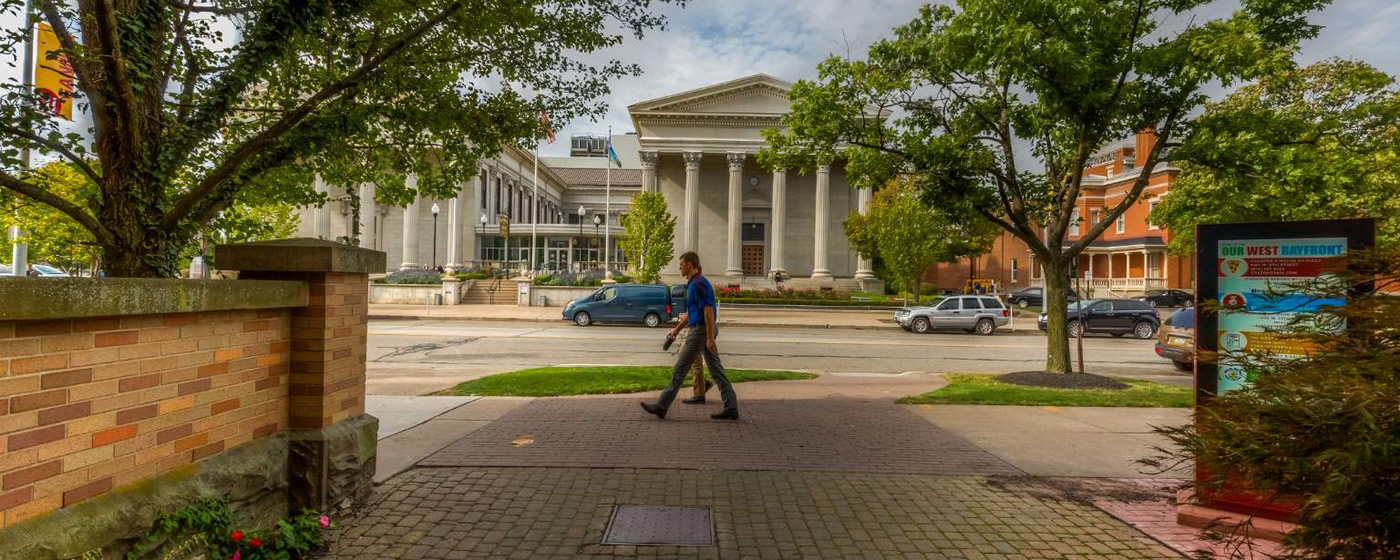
{"type": "Point", "coordinates": [759, 94]}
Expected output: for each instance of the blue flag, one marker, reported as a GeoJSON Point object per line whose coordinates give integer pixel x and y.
{"type": "Point", "coordinates": [612, 156]}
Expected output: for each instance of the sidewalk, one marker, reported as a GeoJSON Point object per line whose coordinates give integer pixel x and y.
{"type": "Point", "coordinates": [833, 318]}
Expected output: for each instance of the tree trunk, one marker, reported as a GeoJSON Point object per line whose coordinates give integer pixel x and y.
{"type": "Point", "coordinates": [1057, 356]}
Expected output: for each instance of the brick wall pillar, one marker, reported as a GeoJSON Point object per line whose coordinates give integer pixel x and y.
{"type": "Point", "coordinates": [332, 439]}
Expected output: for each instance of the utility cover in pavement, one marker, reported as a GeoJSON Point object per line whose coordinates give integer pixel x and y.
{"type": "Point", "coordinates": [660, 525]}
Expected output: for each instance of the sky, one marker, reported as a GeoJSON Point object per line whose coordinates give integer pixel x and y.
{"type": "Point", "coordinates": [711, 41]}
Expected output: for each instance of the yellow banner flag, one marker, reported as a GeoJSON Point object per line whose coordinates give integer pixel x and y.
{"type": "Point", "coordinates": [53, 74]}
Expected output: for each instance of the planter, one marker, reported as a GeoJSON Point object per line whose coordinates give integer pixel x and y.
{"type": "Point", "coordinates": [414, 294]}
{"type": "Point", "coordinates": [558, 296]}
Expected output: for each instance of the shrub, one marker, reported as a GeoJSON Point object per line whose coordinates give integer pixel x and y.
{"type": "Point", "coordinates": [209, 526]}
{"type": "Point", "coordinates": [413, 276]}
{"type": "Point", "coordinates": [1321, 433]}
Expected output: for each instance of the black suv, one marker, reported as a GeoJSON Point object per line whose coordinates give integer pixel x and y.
{"type": "Point", "coordinates": [1111, 316]}
{"type": "Point", "coordinates": [1167, 298]}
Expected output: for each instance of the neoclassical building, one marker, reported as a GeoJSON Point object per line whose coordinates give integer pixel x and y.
{"type": "Point", "coordinates": [696, 147]}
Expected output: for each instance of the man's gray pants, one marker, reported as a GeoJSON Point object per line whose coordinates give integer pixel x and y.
{"type": "Point", "coordinates": [693, 346]}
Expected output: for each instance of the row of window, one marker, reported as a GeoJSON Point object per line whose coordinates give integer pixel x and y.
{"type": "Point", "coordinates": [1120, 226]}
{"type": "Point", "coordinates": [969, 303]}
{"type": "Point", "coordinates": [516, 203]}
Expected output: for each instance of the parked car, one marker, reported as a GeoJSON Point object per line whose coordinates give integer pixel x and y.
{"type": "Point", "coordinates": [649, 304]}
{"type": "Point", "coordinates": [1167, 298]}
{"type": "Point", "coordinates": [46, 270]}
{"type": "Point", "coordinates": [979, 314]}
{"type": "Point", "coordinates": [1034, 297]}
{"type": "Point", "coordinates": [1111, 316]}
{"type": "Point", "coordinates": [1176, 341]}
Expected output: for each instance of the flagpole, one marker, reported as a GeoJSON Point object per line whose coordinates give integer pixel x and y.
{"type": "Point", "coordinates": [535, 208]}
{"type": "Point", "coordinates": [19, 251]}
{"type": "Point", "coordinates": [607, 209]}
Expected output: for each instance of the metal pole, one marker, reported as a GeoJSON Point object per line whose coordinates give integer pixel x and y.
{"type": "Point", "coordinates": [434, 240]}
{"type": "Point", "coordinates": [607, 210]}
{"type": "Point", "coordinates": [534, 208]}
{"type": "Point", "coordinates": [19, 255]}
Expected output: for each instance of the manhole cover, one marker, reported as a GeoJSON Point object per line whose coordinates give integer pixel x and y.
{"type": "Point", "coordinates": [660, 525]}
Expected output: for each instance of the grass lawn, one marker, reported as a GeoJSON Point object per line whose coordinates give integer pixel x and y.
{"type": "Point", "coordinates": [561, 381]}
{"type": "Point", "coordinates": [966, 388]}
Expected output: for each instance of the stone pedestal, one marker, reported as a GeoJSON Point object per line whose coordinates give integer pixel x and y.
{"type": "Point", "coordinates": [332, 439]}
{"type": "Point", "coordinates": [451, 291]}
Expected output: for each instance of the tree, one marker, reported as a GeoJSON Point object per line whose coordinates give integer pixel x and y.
{"type": "Point", "coordinates": [197, 106]}
{"type": "Point", "coordinates": [954, 98]}
{"type": "Point", "coordinates": [649, 238]}
{"type": "Point", "coordinates": [54, 238]}
{"type": "Point", "coordinates": [1321, 142]}
{"type": "Point", "coordinates": [909, 235]}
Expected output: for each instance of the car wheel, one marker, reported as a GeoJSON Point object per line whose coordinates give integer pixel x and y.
{"type": "Point", "coordinates": [920, 325]}
{"type": "Point", "coordinates": [652, 320]}
{"type": "Point", "coordinates": [986, 327]}
{"type": "Point", "coordinates": [1023, 303]}
{"type": "Point", "coordinates": [1144, 330]}
{"type": "Point", "coordinates": [1183, 366]}
{"type": "Point", "coordinates": [583, 319]}
{"type": "Point", "coordinates": [1074, 329]}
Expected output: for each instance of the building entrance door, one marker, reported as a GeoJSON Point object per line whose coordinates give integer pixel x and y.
{"type": "Point", "coordinates": [752, 259]}
{"type": "Point", "coordinates": [557, 258]}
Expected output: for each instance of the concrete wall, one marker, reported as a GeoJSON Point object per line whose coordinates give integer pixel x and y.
{"type": "Point", "coordinates": [416, 294]}
{"type": "Point", "coordinates": [558, 296]}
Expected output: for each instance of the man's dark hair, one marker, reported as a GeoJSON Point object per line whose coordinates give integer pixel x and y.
{"type": "Point", "coordinates": [693, 259]}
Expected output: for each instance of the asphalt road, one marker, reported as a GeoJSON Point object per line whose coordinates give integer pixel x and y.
{"type": "Point", "coordinates": [419, 357]}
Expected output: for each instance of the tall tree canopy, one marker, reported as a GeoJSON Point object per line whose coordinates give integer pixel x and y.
{"type": "Point", "coordinates": [958, 94]}
{"type": "Point", "coordinates": [909, 234]}
{"type": "Point", "coordinates": [1321, 142]}
{"type": "Point", "coordinates": [198, 105]}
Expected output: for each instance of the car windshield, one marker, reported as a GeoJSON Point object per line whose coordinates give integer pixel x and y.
{"type": "Point", "coordinates": [47, 269]}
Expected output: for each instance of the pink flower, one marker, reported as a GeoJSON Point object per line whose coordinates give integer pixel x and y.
{"type": "Point", "coordinates": [325, 522]}
{"type": "Point", "coordinates": [237, 555]}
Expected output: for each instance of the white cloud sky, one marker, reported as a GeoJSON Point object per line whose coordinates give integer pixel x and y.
{"type": "Point", "coordinates": [712, 41]}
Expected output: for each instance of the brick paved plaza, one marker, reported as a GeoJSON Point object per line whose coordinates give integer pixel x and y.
{"type": "Point", "coordinates": [793, 479]}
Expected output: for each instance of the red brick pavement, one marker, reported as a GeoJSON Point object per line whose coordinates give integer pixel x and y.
{"type": "Point", "coordinates": [843, 435]}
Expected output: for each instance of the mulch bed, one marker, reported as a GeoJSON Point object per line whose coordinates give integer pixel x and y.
{"type": "Point", "coordinates": [1062, 381]}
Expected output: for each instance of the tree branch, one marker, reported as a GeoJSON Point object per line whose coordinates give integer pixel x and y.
{"type": "Point", "coordinates": [58, 203]}
{"type": "Point", "coordinates": [271, 134]}
{"type": "Point", "coordinates": [55, 146]}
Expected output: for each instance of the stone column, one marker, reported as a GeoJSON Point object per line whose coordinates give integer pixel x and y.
{"type": "Point", "coordinates": [736, 215]}
{"type": "Point", "coordinates": [368, 211]}
{"type": "Point", "coordinates": [779, 223]}
{"type": "Point", "coordinates": [454, 233]}
{"type": "Point", "coordinates": [470, 253]}
{"type": "Point", "coordinates": [410, 231]}
{"type": "Point", "coordinates": [332, 440]}
{"type": "Point", "coordinates": [820, 270]}
{"type": "Point", "coordinates": [323, 212]}
{"type": "Point", "coordinates": [649, 171]}
{"type": "Point", "coordinates": [692, 200]}
{"type": "Point", "coordinates": [865, 268]}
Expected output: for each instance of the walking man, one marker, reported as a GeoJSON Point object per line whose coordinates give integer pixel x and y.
{"type": "Point", "coordinates": [700, 317]}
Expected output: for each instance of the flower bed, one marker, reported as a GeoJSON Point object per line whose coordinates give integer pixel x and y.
{"type": "Point", "coordinates": [588, 278]}
{"type": "Point", "coordinates": [412, 276]}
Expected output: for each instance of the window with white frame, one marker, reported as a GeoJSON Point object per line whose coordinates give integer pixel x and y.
{"type": "Point", "coordinates": [1122, 223]}
{"type": "Point", "coordinates": [1151, 205]}
{"type": "Point", "coordinates": [1015, 272]}
{"type": "Point", "coordinates": [1074, 223]}
{"type": "Point", "coordinates": [1094, 217]}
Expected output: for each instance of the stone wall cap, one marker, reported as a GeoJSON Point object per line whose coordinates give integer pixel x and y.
{"type": "Point", "coordinates": [29, 299]}
{"type": "Point", "coordinates": [299, 255]}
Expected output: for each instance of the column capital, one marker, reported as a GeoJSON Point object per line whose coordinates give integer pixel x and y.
{"type": "Point", "coordinates": [824, 168]}
{"type": "Point", "coordinates": [692, 160]}
{"type": "Point", "coordinates": [736, 160]}
{"type": "Point", "coordinates": [649, 159]}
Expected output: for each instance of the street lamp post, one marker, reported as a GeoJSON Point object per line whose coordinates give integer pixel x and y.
{"type": "Point", "coordinates": [482, 237]}
{"type": "Point", "coordinates": [597, 220]}
{"type": "Point", "coordinates": [435, 215]}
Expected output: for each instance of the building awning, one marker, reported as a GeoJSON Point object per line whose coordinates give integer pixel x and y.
{"type": "Point", "coordinates": [1131, 243]}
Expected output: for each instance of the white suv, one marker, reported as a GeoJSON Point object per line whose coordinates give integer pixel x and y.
{"type": "Point", "coordinates": [979, 314]}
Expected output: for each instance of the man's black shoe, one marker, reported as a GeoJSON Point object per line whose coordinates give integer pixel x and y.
{"type": "Point", "coordinates": [728, 414]}
{"type": "Point", "coordinates": [694, 400]}
{"type": "Point", "coordinates": [653, 409]}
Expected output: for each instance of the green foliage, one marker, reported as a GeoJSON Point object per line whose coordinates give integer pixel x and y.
{"type": "Point", "coordinates": [200, 107]}
{"type": "Point", "coordinates": [649, 241]}
{"type": "Point", "coordinates": [54, 238]}
{"type": "Point", "coordinates": [949, 101]}
{"type": "Point", "coordinates": [208, 525]}
{"type": "Point", "coordinates": [478, 275]}
{"type": "Point", "coordinates": [412, 276]}
{"type": "Point", "coordinates": [909, 235]}
{"type": "Point", "coordinates": [1321, 142]}
{"type": "Point", "coordinates": [971, 388]}
{"type": "Point", "coordinates": [1322, 433]}
{"type": "Point", "coordinates": [585, 278]}
{"type": "Point", "coordinates": [560, 381]}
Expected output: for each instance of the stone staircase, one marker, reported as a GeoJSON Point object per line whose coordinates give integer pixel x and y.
{"type": "Point", "coordinates": [490, 292]}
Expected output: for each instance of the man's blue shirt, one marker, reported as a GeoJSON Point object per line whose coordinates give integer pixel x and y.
{"type": "Point", "coordinates": [699, 294]}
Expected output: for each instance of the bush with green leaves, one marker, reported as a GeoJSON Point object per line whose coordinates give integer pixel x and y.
{"type": "Point", "coordinates": [209, 526]}
{"type": "Point", "coordinates": [412, 276]}
{"type": "Point", "coordinates": [1322, 433]}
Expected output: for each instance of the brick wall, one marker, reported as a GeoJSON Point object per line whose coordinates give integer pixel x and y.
{"type": "Point", "coordinates": [87, 405]}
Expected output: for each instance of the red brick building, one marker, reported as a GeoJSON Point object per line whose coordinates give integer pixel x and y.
{"type": "Point", "coordinates": [1129, 258]}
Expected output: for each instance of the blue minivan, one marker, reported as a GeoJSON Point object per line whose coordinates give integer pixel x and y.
{"type": "Point", "coordinates": [648, 304]}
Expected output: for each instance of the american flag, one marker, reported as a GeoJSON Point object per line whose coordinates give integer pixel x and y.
{"type": "Point", "coordinates": [548, 132]}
